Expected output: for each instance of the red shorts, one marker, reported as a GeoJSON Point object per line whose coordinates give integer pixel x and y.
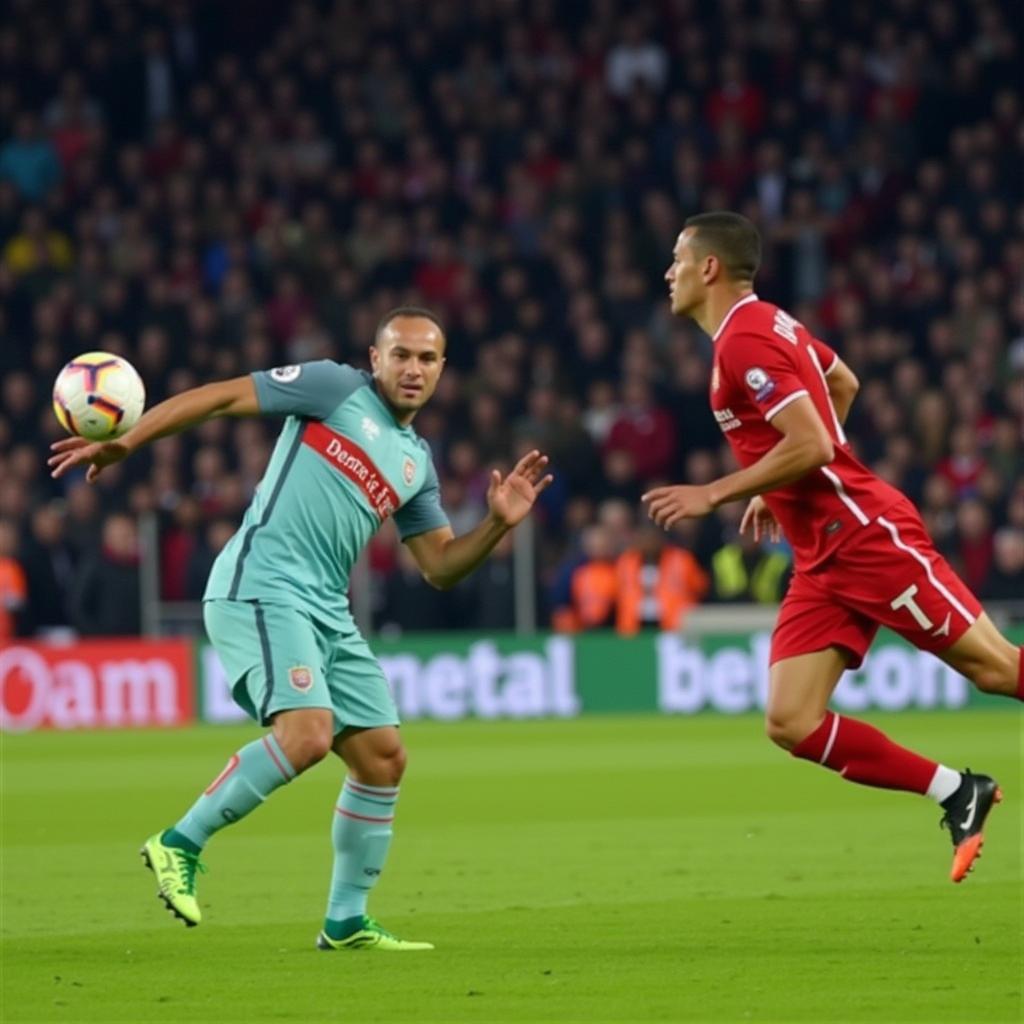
{"type": "Point", "coordinates": [887, 574]}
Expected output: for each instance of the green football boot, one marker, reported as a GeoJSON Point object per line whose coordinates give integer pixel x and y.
{"type": "Point", "coordinates": [175, 871]}
{"type": "Point", "coordinates": [367, 933]}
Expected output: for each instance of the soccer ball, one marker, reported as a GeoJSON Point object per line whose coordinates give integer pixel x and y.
{"type": "Point", "coordinates": [98, 396]}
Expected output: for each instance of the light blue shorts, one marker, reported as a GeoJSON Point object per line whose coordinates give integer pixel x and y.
{"type": "Point", "coordinates": [278, 658]}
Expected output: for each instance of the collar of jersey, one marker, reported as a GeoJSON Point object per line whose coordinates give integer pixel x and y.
{"type": "Point", "coordinates": [752, 297]}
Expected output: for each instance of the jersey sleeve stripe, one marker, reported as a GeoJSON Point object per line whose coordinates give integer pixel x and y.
{"type": "Point", "coordinates": [832, 365]}
{"type": "Point", "coordinates": [858, 512]}
{"type": "Point", "coordinates": [937, 584]}
{"type": "Point", "coordinates": [779, 406]}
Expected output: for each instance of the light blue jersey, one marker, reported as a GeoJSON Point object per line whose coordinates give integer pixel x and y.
{"type": "Point", "coordinates": [341, 466]}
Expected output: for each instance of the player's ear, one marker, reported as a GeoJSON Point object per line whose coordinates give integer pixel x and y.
{"type": "Point", "coordinates": [710, 268]}
{"type": "Point", "coordinates": [375, 360]}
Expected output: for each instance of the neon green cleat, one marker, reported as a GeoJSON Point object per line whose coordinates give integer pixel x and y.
{"type": "Point", "coordinates": [368, 934]}
{"type": "Point", "coordinates": [175, 871]}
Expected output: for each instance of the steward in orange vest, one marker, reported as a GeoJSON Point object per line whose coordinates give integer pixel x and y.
{"type": "Point", "coordinates": [593, 588]}
{"type": "Point", "coordinates": [658, 583]}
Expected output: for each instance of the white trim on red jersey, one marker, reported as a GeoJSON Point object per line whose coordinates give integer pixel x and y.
{"type": "Point", "coordinates": [752, 297]}
{"type": "Point", "coordinates": [833, 364]}
{"type": "Point", "coordinates": [779, 406]}
{"type": "Point", "coordinates": [844, 497]}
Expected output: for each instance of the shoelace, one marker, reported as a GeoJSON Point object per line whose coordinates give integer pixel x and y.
{"type": "Point", "coordinates": [190, 864]}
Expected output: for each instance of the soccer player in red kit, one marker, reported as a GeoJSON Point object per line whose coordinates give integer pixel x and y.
{"type": "Point", "coordinates": [862, 555]}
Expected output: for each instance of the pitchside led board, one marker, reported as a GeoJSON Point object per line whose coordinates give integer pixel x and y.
{"type": "Point", "coordinates": [105, 684]}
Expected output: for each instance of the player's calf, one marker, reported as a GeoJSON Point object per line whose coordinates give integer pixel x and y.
{"type": "Point", "coordinates": [988, 659]}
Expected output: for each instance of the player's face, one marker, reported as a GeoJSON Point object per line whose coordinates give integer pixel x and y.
{"type": "Point", "coordinates": [407, 362]}
{"type": "Point", "coordinates": [685, 287]}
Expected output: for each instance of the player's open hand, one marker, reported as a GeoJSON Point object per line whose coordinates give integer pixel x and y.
{"type": "Point", "coordinates": [512, 498]}
{"type": "Point", "coordinates": [668, 505]}
{"type": "Point", "coordinates": [760, 519]}
{"type": "Point", "coordinates": [77, 451]}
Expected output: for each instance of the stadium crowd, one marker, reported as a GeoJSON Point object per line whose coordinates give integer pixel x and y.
{"type": "Point", "coordinates": [211, 189]}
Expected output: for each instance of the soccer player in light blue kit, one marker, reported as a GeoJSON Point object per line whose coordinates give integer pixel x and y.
{"type": "Point", "coordinates": [276, 604]}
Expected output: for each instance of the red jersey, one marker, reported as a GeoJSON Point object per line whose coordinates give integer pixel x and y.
{"type": "Point", "coordinates": [763, 361]}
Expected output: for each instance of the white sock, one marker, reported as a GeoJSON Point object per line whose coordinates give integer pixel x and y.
{"type": "Point", "coordinates": [945, 782]}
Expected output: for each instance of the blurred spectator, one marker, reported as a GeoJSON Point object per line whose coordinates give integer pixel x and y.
{"type": "Point", "coordinates": [593, 586]}
{"type": "Point", "coordinates": [745, 570]}
{"type": "Point", "coordinates": [636, 61]}
{"type": "Point", "coordinates": [13, 582]}
{"type": "Point", "coordinates": [487, 600]}
{"type": "Point", "coordinates": [201, 556]}
{"type": "Point", "coordinates": [410, 603]}
{"type": "Point", "coordinates": [49, 567]}
{"type": "Point", "coordinates": [1006, 577]}
{"type": "Point", "coordinates": [643, 431]}
{"type": "Point", "coordinates": [658, 583]}
{"type": "Point", "coordinates": [28, 159]}
{"type": "Point", "coordinates": [106, 601]}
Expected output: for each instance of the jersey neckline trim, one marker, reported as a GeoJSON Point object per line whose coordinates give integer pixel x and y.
{"type": "Point", "coordinates": [752, 297]}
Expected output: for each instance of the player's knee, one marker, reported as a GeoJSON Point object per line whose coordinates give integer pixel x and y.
{"type": "Point", "coordinates": [787, 732]}
{"type": "Point", "coordinates": [309, 749]}
{"type": "Point", "coordinates": [391, 766]}
{"type": "Point", "coordinates": [305, 742]}
{"type": "Point", "coordinates": [781, 732]}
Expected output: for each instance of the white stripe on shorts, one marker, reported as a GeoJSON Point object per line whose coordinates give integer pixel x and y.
{"type": "Point", "coordinates": [941, 588]}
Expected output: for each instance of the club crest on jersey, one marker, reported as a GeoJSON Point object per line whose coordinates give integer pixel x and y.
{"type": "Point", "coordinates": [408, 471]}
{"type": "Point", "coordinates": [370, 429]}
{"type": "Point", "coordinates": [759, 382]}
{"type": "Point", "coordinates": [285, 374]}
{"type": "Point", "coordinates": [301, 678]}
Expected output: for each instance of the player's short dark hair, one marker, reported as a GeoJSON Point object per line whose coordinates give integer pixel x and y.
{"type": "Point", "coordinates": [399, 311]}
{"type": "Point", "coordinates": [730, 237]}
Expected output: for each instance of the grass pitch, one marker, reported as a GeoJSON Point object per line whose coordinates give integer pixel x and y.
{"type": "Point", "coordinates": [608, 869]}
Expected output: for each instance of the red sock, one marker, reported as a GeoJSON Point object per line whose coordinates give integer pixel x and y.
{"type": "Point", "coordinates": [1020, 676]}
{"type": "Point", "coordinates": [860, 753]}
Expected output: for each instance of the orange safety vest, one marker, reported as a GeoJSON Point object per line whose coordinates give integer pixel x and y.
{"type": "Point", "coordinates": [681, 583]}
{"type": "Point", "coordinates": [593, 589]}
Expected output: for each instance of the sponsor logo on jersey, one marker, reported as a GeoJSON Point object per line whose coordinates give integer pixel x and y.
{"type": "Point", "coordinates": [301, 678]}
{"type": "Point", "coordinates": [408, 471]}
{"type": "Point", "coordinates": [370, 429]}
{"type": "Point", "coordinates": [285, 374]}
{"type": "Point", "coordinates": [348, 458]}
{"type": "Point", "coordinates": [759, 382]}
{"type": "Point", "coordinates": [726, 419]}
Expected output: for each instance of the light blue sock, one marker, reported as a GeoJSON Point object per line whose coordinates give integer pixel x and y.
{"type": "Point", "coordinates": [361, 833]}
{"type": "Point", "coordinates": [248, 779]}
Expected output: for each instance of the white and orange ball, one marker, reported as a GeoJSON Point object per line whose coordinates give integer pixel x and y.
{"type": "Point", "coordinates": [98, 396]}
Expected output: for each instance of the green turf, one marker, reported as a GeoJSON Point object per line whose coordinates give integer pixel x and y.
{"type": "Point", "coordinates": [645, 869]}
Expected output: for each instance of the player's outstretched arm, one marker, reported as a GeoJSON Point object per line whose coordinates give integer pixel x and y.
{"type": "Point", "coordinates": [235, 397]}
{"type": "Point", "coordinates": [805, 446]}
{"type": "Point", "coordinates": [444, 559]}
